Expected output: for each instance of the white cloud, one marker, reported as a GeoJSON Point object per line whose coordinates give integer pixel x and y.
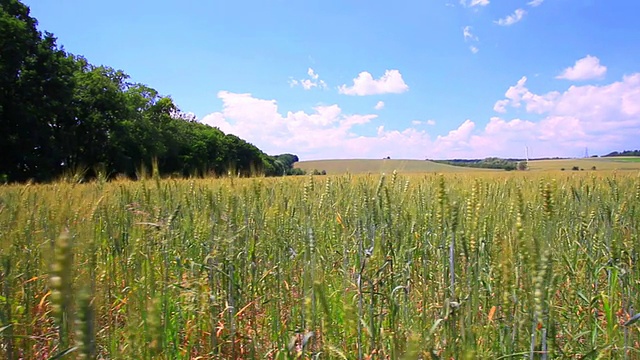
{"type": "Point", "coordinates": [365, 84]}
{"type": "Point", "coordinates": [457, 137]}
{"type": "Point", "coordinates": [512, 19]}
{"type": "Point", "coordinates": [535, 3]}
{"type": "Point", "coordinates": [603, 118]}
{"type": "Point", "coordinates": [430, 122]}
{"type": "Point", "coordinates": [501, 105]}
{"type": "Point", "coordinates": [324, 133]}
{"type": "Point", "coordinates": [466, 33]}
{"type": "Point", "coordinates": [469, 36]}
{"type": "Point", "coordinates": [519, 93]}
{"type": "Point", "coordinates": [311, 82]}
{"type": "Point", "coordinates": [472, 3]}
{"type": "Point", "coordinates": [557, 123]}
{"type": "Point", "coordinates": [312, 74]}
{"type": "Point", "coordinates": [586, 68]}
{"type": "Point", "coordinates": [379, 105]}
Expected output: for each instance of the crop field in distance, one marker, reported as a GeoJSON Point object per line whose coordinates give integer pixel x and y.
{"type": "Point", "coordinates": [627, 158]}
{"type": "Point", "coordinates": [469, 265]}
{"type": "Point", "coordinates": [378, 166]}
{"type": "Point", "coordinates": [588, 164]}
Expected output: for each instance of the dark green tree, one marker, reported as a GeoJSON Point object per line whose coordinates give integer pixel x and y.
{"type": "Point", "coordinates": [59, 112]}
{"type": "Point", "coordinates": [36, 82]}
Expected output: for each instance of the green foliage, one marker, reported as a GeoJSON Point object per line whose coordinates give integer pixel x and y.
{"type": "Point", "coordinates": [36, 79]}
{"type": "Point", "coordinates": [282, 164]}
{"type": "Point", "coordinates": [624, 153]}
{"type": "Point", "coordinates": [318, 172]}
{"type": "Point", "coordinates": [58, 112]}
{"type": "Point", "coordinates": [296, 172]}
{"type": "Point", "coordinates": [488, 163]}
{"type": "Point", "coordinates": [522, 165]}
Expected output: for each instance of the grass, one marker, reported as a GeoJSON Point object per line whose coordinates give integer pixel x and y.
{"type": "Point", "coordinates": [608, 163]}
{"type": "Point", "coordinates": [374, 166]}
{"type": "Point", "coordinates": [633, 159]}
{"type": "Point", "coordinates": [483, 265]}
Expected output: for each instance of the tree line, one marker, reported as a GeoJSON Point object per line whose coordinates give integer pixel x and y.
{"type": "Point", "coordinates": [623, 153]}
{"type": "Point", "coordinates": [487, 163]}
{"type": "Point", "coordinates": [58, 112]}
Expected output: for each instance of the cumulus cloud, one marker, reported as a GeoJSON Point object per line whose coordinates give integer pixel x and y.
{"type": "Point", "coordinates": [535, 3]}
{"type": "Point", "coordinates": [587, 68]}
{"type": "Point", "coordinates": [556, 123]}
{"type": "Point", "coordinates": [473, 49]}
{"type": "Point", "coordinates": [379, 105]}
{"type": "Point", "coordinates": [458, 137]}
{"type": "Point", "coordinates": [519, 93]}
{"type": "Point", "coordinates": [326, 132]}
{"type": "Point", "coordinates": [311, 82]}
{"type": "Point", "coordinates": [512, 19]}
{"type": "Point", "coordinates": [501, 106]}
{"type": "Point", "coordinates": [390, 83]}
{"type": "Point", "coordinates": [472, 3]}
{"type": "Point", "coordinates": [601, 117]}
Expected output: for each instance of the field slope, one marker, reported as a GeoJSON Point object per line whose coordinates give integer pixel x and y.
{"type": "Point", "coordinates": [376, 166]}
{"type": "Point", "coordinates": [605, 163]}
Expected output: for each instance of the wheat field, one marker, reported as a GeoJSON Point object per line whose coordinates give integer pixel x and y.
{"type": "Point", "coordinates": [379, 166]}
{"type": "Point", "coordinates": [420, 266]}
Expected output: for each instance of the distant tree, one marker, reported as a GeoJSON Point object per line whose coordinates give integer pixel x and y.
{"type": "Point", "coordinates": [522, 165]}
{"type": "Point", "coordinates": [575, 168]}
{"type": "Point", "coordinates": [624, 153]}
{"type": "Point", "coordinates": [296, 171]}
{"type": "Point", "coordinates": [488, 163]}
{"type": "Point", "coordinates": [593, 168]}
{"type": "Point", "coordinates": [287, 159]}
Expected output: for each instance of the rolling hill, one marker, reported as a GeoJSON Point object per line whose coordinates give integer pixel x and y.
{"type": "Point", "coordinates": [602, 163]}
{"type": "Point", "coordinates": [363, 166]}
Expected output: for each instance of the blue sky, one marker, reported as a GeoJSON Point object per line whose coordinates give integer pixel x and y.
{"type": "Point", "coordinates": [368, 79]}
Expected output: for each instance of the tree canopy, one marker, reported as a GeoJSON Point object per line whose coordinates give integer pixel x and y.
{"type": "Point", "coordinates": [623, 153]}
{"type": "Point", "coordinates": [59, 112]}
{"type": "Point", "coordinates": [488, 163]}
